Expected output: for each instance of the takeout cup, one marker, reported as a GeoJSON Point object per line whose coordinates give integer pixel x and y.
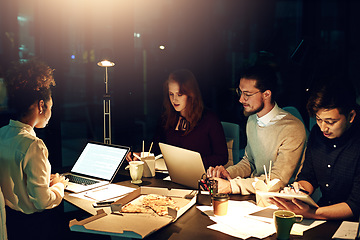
{"type": "Point", "coordinates": [220, 203]}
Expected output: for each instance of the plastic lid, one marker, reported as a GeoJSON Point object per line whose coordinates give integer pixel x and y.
{"type": "Point", "coordinates": [220, 197]}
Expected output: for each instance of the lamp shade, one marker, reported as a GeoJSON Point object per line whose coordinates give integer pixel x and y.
{"type": "Point", "coordinates": [105, 63]}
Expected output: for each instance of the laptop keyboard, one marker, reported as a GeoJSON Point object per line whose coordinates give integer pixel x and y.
{"type": "Point", "coordinates": [80, 180]}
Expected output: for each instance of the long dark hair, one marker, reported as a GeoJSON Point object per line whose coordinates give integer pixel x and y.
{"type": "Point", "coordinates": [194, 105]}
{"type": "Point", "coordinates": [27, 83]}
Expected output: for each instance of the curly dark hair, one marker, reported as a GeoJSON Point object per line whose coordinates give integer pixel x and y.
{"type": "Point", "coordinates": [27, 83]}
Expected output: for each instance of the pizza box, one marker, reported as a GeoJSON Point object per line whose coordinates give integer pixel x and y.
{"type": "Point", "coordinates": [135, 225]}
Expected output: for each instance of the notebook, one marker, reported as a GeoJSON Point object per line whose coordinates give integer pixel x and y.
{"type": "Point", "coordinates": [185, 166]}
{"type": "Point", "coordinates": [96, 166]}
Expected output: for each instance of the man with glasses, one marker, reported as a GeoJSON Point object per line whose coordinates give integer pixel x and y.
{"type": "Point", "coordinates": [332, 157]}
{"type": "Point", "coordinates": [273, 135]}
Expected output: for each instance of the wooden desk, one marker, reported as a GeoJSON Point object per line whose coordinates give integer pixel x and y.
{"type": "Point", "coordinates": [193, 224]}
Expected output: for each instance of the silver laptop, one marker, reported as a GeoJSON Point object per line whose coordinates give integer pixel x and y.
{"type": "Point", "coordinates": [185, 166]}
{"type": "Point", "coordinates": [96, 166]}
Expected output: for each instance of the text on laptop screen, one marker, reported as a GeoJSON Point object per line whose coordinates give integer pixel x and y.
{"type": "Point", "coordinates": [100, 161]}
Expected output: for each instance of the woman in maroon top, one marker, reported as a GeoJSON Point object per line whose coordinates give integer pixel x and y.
{"type": "Point", "coordinates": [186, 124]}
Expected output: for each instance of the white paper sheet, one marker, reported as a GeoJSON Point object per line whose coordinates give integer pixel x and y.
{"type": "Point", "coordinates": [239, 224]}
{"type": "Point", "coordinates": [347, 230]}
{"type": "Point", "coordinates": [266, 215]}
{"type": "Point", "coordinates": [108, 192]}
{"type": "Point", "coordinates": [236, 224]}
{"type": "Point", "coordinates": [300, 228]}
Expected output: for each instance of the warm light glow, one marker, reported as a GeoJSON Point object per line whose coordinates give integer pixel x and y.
{"type": "Point", "coordinates": [105, 63]}
{"type": "Point", "coordinates": [162, 47]}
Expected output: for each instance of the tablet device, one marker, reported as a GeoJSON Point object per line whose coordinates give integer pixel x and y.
{"type": "Point", "coordinates": [289, 196]}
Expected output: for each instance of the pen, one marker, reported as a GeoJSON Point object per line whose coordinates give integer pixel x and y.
{"type": "Point", "coordinates": [104, 202]}
{"type": "Point", "coordinates": [97, 190]}
{"type": "Point", "coordinates": [131, 151]}
{"type": "Point", "coordinates": [301, 190]}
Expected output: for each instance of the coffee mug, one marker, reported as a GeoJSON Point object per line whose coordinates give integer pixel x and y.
{"type": "Point", "coordinates": [284, 221]}
{"type": "Point", "coordinates": [136, 171]}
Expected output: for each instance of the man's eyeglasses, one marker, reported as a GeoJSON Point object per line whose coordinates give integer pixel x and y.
{"type": "Point", "coordinates": [245, 95]}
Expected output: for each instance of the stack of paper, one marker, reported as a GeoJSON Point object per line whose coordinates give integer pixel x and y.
{"type": "Point", "coordinates": [237, 223]}
{"type": "Point", "coordinates": [108, 192]}
{"type": "Point", "coordinates": [243, 216]}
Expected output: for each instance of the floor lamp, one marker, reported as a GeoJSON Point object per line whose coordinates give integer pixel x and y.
{"type": "Point", "coordinates": [107, 115]}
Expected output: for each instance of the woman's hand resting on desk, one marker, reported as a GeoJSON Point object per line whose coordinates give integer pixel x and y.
{"type": "Point", "coordinates": [131, 156]}
{"type": "Point", "coordinates": [219, 172]}
{"type": "Point", "coordinates": [55, 178]}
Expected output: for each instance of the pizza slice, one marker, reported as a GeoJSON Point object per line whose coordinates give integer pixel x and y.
{"type": "Point", "coordinates": [157, 200]}
{"type": "Point", "coordinates": [159, 204]}
{"type": "Point", "coordinates": [133, 208]}
{"type": "Point", "coordinates": [162, 210]}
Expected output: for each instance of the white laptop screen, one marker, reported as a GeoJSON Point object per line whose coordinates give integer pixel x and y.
{"type": "Point", "coordinates": [100, 161]}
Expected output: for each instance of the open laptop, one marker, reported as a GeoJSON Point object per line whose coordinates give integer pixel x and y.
{"type": "Point", "coordinates": [185, 166]}
{"type": "Point", "coordinates": [97, 166]}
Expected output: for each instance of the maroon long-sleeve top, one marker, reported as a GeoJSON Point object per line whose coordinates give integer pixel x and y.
{"type": "Point", "coordinates": [207, 138]}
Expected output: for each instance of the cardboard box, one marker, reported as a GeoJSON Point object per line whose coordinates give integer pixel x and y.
{"type": "Point", "coordinates": [135, 225]}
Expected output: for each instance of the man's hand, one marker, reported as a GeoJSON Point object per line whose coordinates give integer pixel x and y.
{"type": "Point", "coordinates": [294, 205]}
{"type": "Point", "coordinates": [218, 172]}
{"type": "Point", "coordinates": [223, 185]}
{"type": "Point", "coordinates": [295, 188]}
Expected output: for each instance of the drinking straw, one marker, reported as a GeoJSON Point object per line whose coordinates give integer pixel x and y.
{"type": "Point", "coordinates": [265, 175]}
{"type": "Point", "coordinates": [150, 147]}
{"type": "Point", "coordinates": [143, 149]}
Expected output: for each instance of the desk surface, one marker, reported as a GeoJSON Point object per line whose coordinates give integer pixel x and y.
{"type": "Point", "coordinates": [193, 224]}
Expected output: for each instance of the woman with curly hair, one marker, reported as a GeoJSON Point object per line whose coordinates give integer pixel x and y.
{"type": "Point", "coordinates": [187, 124]}
{"type": "Point", "coordinates": [25, 173]}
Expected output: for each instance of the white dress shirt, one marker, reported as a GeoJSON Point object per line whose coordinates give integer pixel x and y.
{"type": "Point", "coordinates": [25, 170]}
{"type": "Point", "coordinates": [271, 117]}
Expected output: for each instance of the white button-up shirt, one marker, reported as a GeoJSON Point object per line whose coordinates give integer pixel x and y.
{"type": "Point", "coordinates": [271, 117]}
{"type": "Point", "coordinates": [25, 170]}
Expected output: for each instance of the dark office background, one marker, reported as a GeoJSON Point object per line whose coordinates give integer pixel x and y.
{"type": "Point", "coordinates": [216, 39]}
